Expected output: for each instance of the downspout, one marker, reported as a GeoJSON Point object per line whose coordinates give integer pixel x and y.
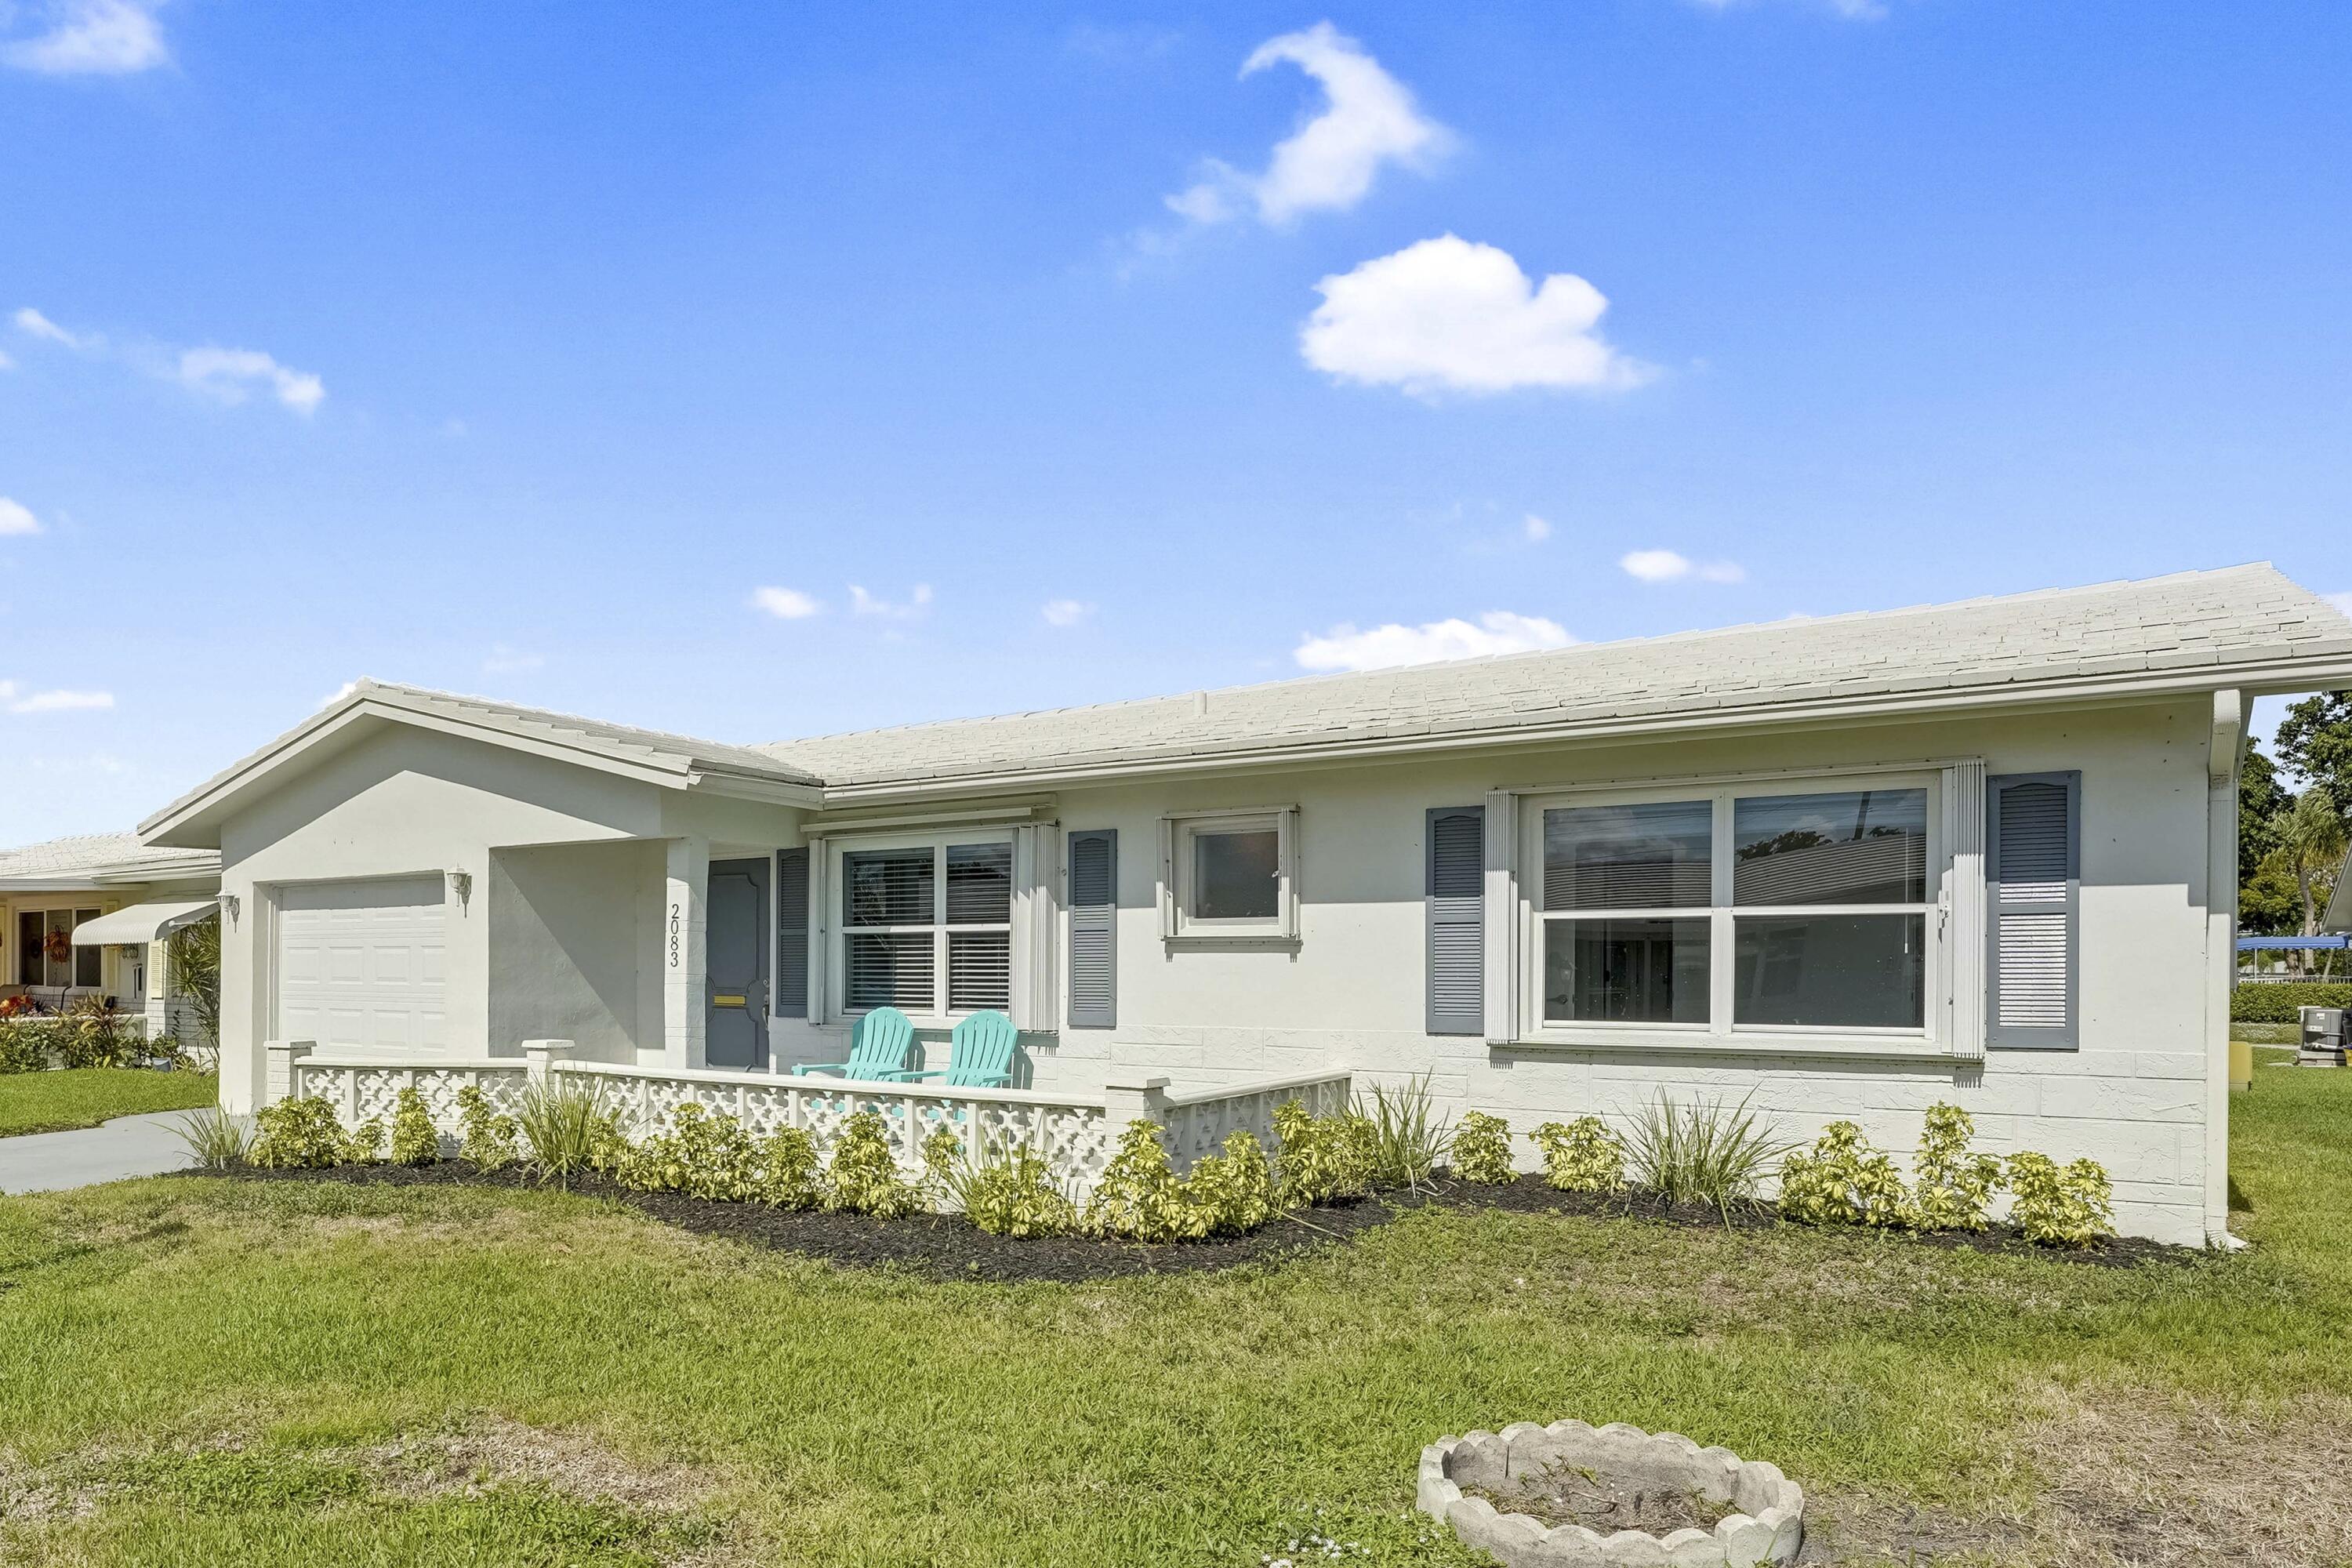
{"type": "Point", "coordinates": [2221, 765]}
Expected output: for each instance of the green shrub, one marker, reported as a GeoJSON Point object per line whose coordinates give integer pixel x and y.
{"type": "Point", "coordinates": [2277, 1004]}
{"type": "Point", "coordinates": [703, 1155]}
{"type": "Point", "coordinates": [864, 1178]}
{"type": "Point", "coordinates": [1582, 1155]}
{"type": "Point", "coordinates": [785, 1175]}
{"type": "Point", "coordinates": [565, 1126]}
{"type": "Point", "coordinates": [1323, 1158]}
{"type": "Point", "coordinates": [1409, 1139]}
{"type": "Point", "coordinates": [1955, 1186]}
{"type": "Point", "coordinates": [1138, 1196]}
{"type": "Point", "coordinates": [1482, 1150]}
{"type": "Point", "coordinates": [1844, 1181]}
{"type": "Point", "coordinates": [92, 1035]}
{"type": "Point", "coordinates": [415, 1140]}
{"type": "Point", "coordinates": [363, 1144]}
{"type": "Point", "coordinates": [297, 1135]}
{"type": "Point", "coordinates": [1233, 1192]}
{"type": "Point", "coordinates": [218, 1141]}
{"type": "Point", "coordinates": [489, 1141]}
{"type": "Point", "coordinates": [1015, 1194]}
{"type": "Point", "coordinates": [2060, 1208]}
{"type": "Point", "coordinates": [939, 1150]}
{"type": "Point", "coordinates": [1704, 1152]}
{"type": "Point", "coordinates": [29, 1045]}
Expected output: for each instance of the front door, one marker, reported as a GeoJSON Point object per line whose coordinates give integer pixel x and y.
{"type": "Point", "coordinates": [737, 1033]}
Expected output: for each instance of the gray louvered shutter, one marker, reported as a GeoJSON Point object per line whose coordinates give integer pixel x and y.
{"type": "Point", "coordinates": [2033, 854]}
{"type": "Point", "coordinates": [1094, 929]}
{"type": "Point", "coordinates": [792, 932]}
{"type": "Point", "coordinates": [1456, 904]}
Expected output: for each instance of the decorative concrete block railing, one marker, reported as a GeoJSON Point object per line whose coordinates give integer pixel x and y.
{"type": "Point", "coordinates": [1197, 1123]}
{"type": "Point", "coordinates": [1075, 1135]}
{"type": "Point", "coordinates": [361, 1086]}
{"type": "Point", "coordinates": [1075, 1138]}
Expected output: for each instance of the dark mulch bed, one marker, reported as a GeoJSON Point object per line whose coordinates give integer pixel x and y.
{"type": "Point", "coordinates": [943, 1246]}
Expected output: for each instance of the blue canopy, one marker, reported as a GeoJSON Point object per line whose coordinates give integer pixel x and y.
{"type": "Point", "coordinates": [2293, 943]}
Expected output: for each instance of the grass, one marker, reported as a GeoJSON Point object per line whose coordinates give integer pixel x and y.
{"type": "Point", "coordinates": [195, 1370]}
{"type": "Point", "coordinates": [84, 1096]}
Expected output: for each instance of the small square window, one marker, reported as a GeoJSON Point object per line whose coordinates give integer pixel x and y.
{"type": "Point", "coordinates": [1230, 875]}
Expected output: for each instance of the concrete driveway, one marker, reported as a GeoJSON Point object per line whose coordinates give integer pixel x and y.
{"type": "Point", "coordinates": [144, 1145]}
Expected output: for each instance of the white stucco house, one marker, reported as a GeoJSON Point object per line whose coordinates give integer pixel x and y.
{"type": "Point", "coordinates": [1980, 852]}
{"type": "Point", "coordinates": [89, 916]}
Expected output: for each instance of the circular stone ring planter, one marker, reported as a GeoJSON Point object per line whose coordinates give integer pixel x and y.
{"type": "Point", "coordinates": [1524, 1460]}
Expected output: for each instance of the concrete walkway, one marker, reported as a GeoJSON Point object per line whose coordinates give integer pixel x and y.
{"type": "Point", "coordinates": [145, 1145]}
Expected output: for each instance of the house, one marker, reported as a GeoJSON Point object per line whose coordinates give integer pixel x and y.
{"type": "Point", "coordinates": [1843, 867]}
{"type": "Point", "coordinates": [89, 916]}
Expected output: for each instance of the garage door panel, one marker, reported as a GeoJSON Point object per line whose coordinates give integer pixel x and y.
{"type": "Point", "coordinates": [360, 965]}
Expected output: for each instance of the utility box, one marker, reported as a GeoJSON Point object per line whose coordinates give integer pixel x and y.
{"type": "Point", "coordinates": [2323, 1037]}
{"type": "Point", "coordinates": [2241, 1065]}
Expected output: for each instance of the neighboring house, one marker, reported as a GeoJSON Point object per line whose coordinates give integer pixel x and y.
{"type": "Point", "coordinates": [89, 916]}
{"type": "Point", "coordinates": [1849, 867]}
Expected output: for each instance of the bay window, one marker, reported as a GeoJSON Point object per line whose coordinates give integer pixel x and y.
{"type": "Point", "coordinates": [1740, 909]}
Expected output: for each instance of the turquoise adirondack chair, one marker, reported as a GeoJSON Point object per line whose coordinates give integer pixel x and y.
{"type": "Point", "coordinates": [980, 1054]}
{"type": "Point", "coordinates": [880, 1046]}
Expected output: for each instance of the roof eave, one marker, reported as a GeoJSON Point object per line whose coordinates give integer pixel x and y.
{"type": "Point", "coordinates": [193, 820]}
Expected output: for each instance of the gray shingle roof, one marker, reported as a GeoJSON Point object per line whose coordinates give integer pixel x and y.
{"type": "Point", "coordinates": [2194, 623]}
{"type": "Point", "coordinates": [623, 740]}
{"type": "Point", "coordinates": [90, 855]}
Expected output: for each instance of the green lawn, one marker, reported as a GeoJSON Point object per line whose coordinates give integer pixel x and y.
{"type": "Point", "coordinates": [195, 1371]}
{"type": "Point", "coordinates": [84, 1096]}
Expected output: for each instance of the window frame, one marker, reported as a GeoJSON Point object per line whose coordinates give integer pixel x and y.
{"type": "Point", "coordinates": [1178, 832]}
{"type": "Point", "coordinates": [76, 915]}
{"type": "Point", "coordinates": [1719, 1030]}
{"type": "Point", "coordinates": [837, 931]}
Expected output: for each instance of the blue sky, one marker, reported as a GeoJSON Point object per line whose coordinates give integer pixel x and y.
{"type": "Point", "coordinates": [758, 371]}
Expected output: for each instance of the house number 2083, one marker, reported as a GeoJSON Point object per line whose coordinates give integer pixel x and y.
{"type": "Point", "coordinates": [676, 922]}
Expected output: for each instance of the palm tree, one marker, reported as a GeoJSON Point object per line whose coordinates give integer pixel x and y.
{"type": "Point", "coordinates": [2311, 840]}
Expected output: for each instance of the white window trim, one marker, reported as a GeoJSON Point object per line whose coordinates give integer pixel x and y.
{"type": "Point", "coordinates": [1945, 970]}
{"type": "Point", "coordinates": [836, 930]}
{"type": "Point", "coordinates": [1177, 830]}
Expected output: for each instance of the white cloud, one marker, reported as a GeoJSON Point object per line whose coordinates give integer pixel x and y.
{"type": "Point", "coordinates": [32, 323]}
{"type": "Point", "coordinates": [1066, 612]}
{"type": "Point", "coordinates": [1445, 315]}
{"type": "Point", "coordinates": [15, 518]}
{"type": "Point", "coordinates": [228, 373]}
{"type": "Point", "coordinates": [1670, 567]}
{"type": "Point", "coordinates": [339, 693]}
{"type": "Point", "coordinates": [17, 700]}
{"type": "Point", "coordinates": [1536, 529]}
{"type": "Point", "coordinates": [1369, 119]}
{"type": "Point", "coordinates": [93, 37]}
{"type": "Point", "coordinates": [5, 362]}
{"type": "Point", "coordinates": [862, 603]}
{"type": "Point", "coordinates": [2343, 602]}
{"type": "Point", "coordinates": [785, 603]}
{"type": "Point", "coordinates": [1382, 647]}
{"type": "Point", "coordinates": [1120, 46]}
{"type": "Point", "coordinates": [507, 659]}
{"type": "Point", "coordinates": [1852, 10]}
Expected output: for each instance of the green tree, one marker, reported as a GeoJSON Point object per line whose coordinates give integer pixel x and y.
{"type": "Point", "coordinates": [2261, 801]}
{"type": "Point", "coordinates": [2315, 741]}
{"type": "Point", "coordinates": [2311, 842]}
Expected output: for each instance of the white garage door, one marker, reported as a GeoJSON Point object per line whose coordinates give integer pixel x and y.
{"type": "Point", "coordinates": [360, 964]}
